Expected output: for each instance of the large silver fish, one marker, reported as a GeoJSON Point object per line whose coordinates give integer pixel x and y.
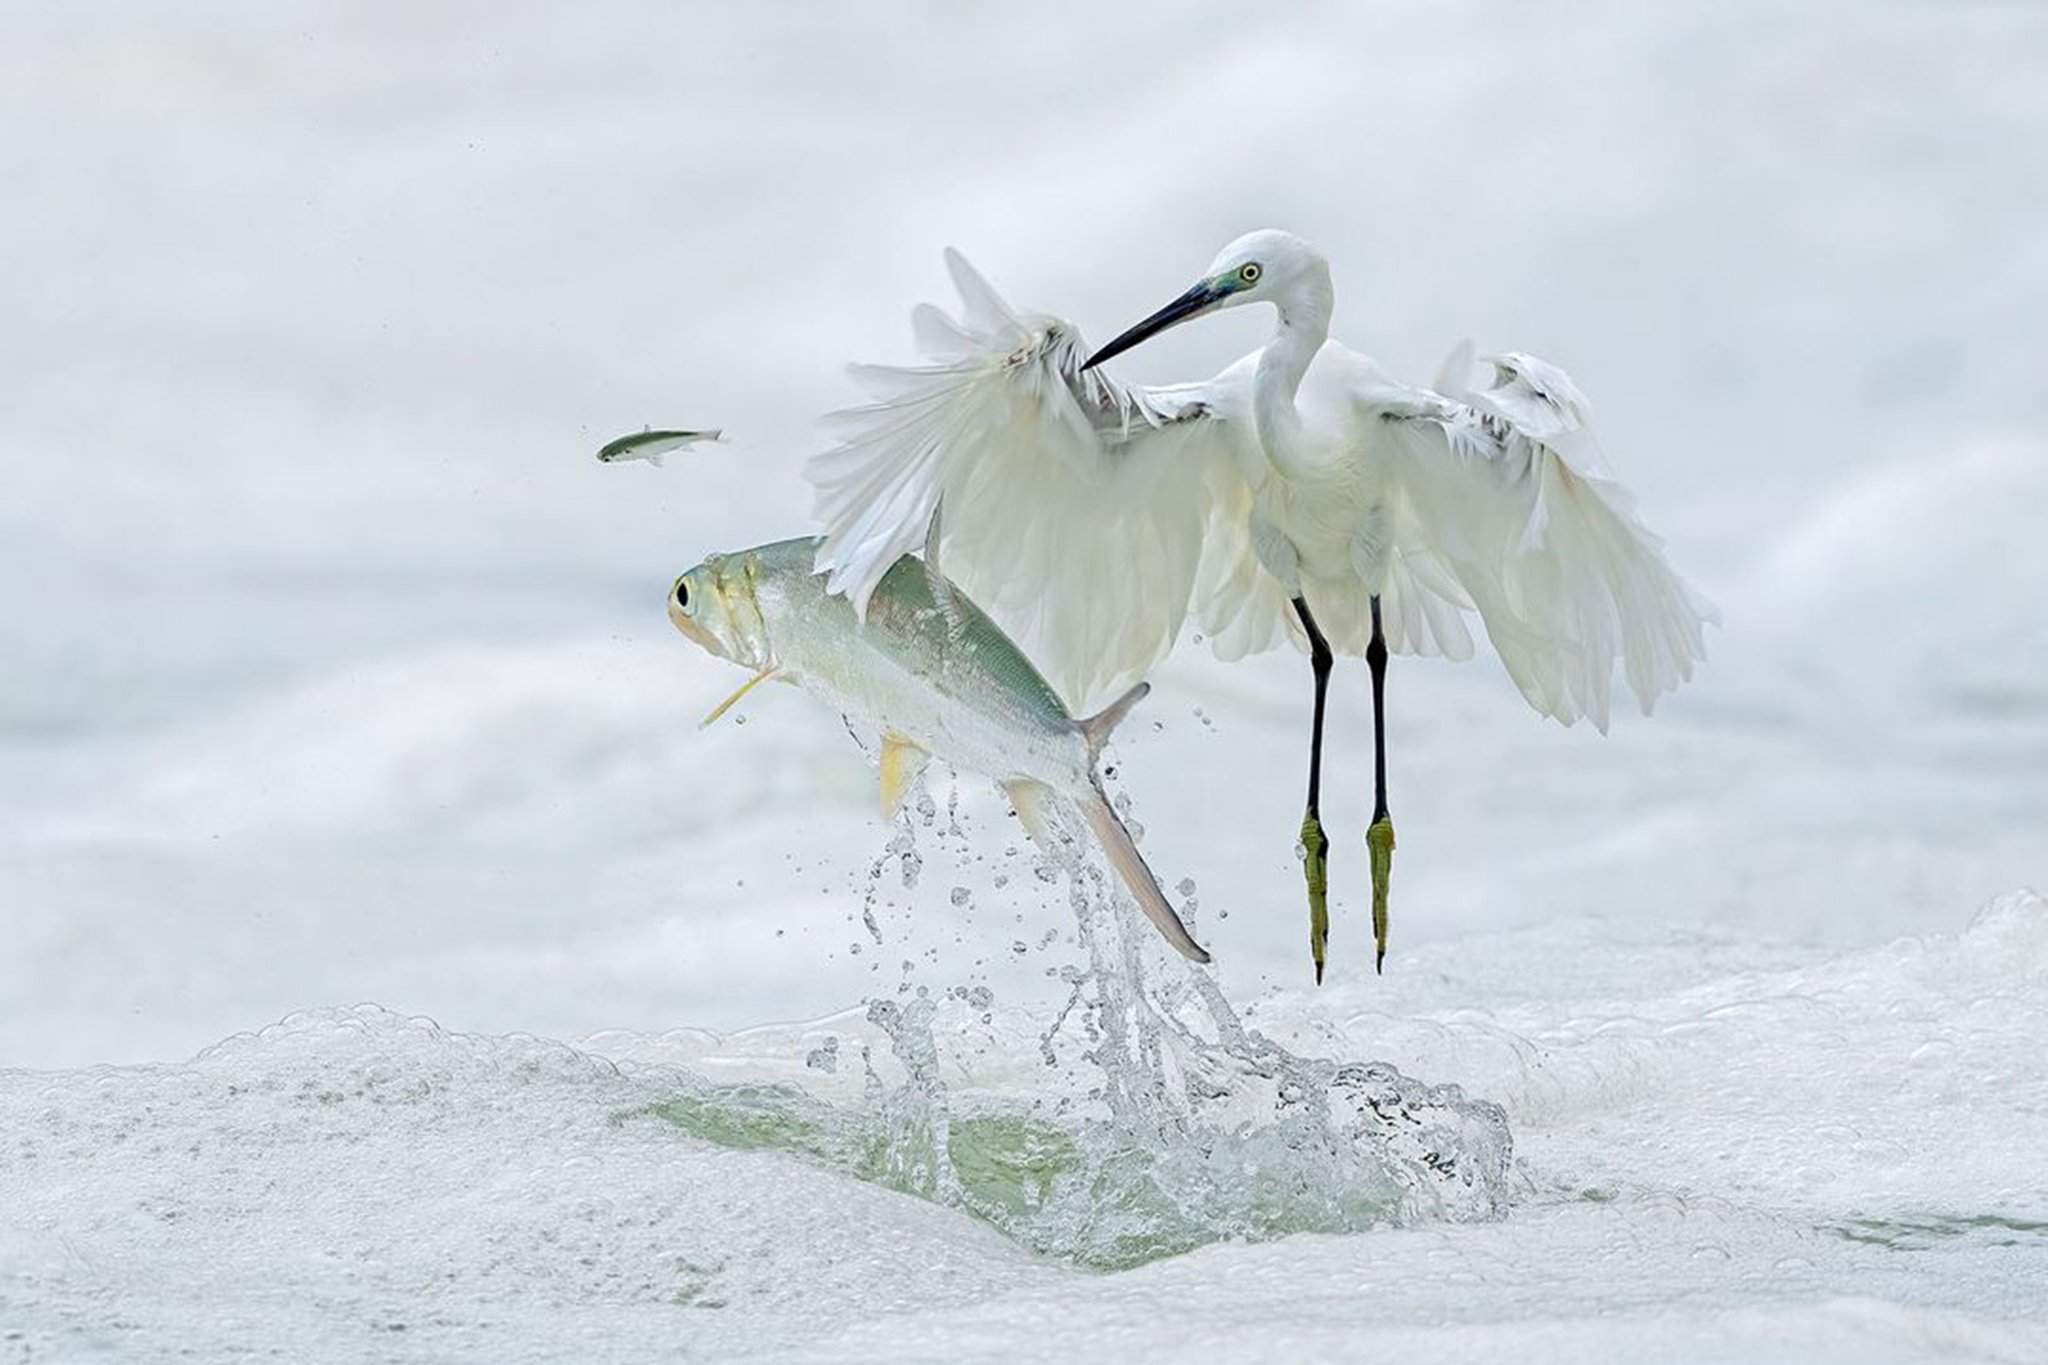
{"type": "Point", "coordinates": [932, 674]}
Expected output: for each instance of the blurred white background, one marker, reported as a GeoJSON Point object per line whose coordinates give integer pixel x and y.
{"type": "Point", "coordinates": [336, 667]}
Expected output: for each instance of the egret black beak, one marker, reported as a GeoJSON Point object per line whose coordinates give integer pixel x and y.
{"type": "Point", "coordinates": [1197, 300]}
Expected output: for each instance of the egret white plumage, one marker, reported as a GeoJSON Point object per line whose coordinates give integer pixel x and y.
{"type": "Point", "coordinates": [1300, 493]}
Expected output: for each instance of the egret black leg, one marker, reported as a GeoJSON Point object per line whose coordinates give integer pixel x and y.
{"type": "Point", "coordinates": [1315, 845]}
{"type": "Point", "coordinates": [1379, 836]}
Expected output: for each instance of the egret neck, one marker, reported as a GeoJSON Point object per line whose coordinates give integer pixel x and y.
{"type": "Point", "coordinates": [1303, 326]}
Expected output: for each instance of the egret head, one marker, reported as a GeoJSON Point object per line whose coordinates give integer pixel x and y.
{"type": "Point", "coordinates": [1267, 266]}
{"type": "Point", "coordinates": [714, 605]}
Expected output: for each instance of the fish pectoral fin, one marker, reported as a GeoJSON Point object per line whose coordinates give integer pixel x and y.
{"type": "Point", "coordinates": [749, 685]}
{"type": "Point", "coordinates": [1033, 803]}
{"type": "Point", "coordinates": [902, 761]}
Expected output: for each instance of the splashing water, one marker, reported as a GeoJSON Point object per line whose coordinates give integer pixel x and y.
{"type": "Point", "coordinates": [1149, 1120]}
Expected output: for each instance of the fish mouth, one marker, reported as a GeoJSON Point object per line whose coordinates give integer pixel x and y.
{"type": "Point", "coordinates": [692, 630]}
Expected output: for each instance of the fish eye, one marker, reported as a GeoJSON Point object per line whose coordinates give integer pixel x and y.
{"type": "Point", "coordinates": [682, 593]}
{"type": "Point", "coordinates": [1249, 272]}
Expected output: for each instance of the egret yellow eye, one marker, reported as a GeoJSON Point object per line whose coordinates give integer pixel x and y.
{"type": "Point", "coordinates": [1249, 272]}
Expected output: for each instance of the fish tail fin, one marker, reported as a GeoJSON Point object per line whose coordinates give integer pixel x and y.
{"type": "Point", "coordinates": [1123, 855]}
{"type": "Point", "coordinates": [1096, 728]}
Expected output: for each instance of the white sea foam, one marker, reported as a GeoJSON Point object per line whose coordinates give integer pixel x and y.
{"type": "Point", "coordinates": [1719, 1172]}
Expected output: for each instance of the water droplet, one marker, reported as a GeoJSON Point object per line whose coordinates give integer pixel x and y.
{"type": "Point", "coordinates": [1345, 1138]}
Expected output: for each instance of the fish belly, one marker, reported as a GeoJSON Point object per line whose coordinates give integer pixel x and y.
{"type": "Point", "coordinates": [970, 729]}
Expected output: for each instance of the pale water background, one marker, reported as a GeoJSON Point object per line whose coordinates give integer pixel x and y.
{"type": "Point", "coordinates": [336, 671]}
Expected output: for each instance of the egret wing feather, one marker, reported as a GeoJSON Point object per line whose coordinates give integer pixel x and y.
{"type": "Point", "coordinates": [1075, 508]}
{"type": "Point", "coordinates": [1569, 582]}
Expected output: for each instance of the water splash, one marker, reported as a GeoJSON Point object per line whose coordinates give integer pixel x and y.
{"type": "Point", "coordinates": [1154, 1121]}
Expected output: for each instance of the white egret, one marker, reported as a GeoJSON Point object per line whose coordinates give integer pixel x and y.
{"type": "Point", "coordinates": [1302, 492]}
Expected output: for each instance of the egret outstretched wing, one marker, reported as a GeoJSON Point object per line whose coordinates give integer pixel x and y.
{"type": "Point", "coordinates": [1567, 579]}
{"type": "Point", "coordinates": [1071, 507]}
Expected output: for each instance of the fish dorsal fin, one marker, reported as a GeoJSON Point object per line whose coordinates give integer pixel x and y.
{"type": "Point", "coordinates": [902, 761]}
{"type": "Point", "coordinates": [1033, 804]}
{"type": "Point", "coordinates": [943, 591]}
{"type": "Point", "coordinates": [1095, 729]}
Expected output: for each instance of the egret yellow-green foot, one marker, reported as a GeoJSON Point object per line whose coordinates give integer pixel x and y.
{"type": "Point", "coordinates": [1315, 845]}
{"type": "Point", "coordinates": [1379, 847]}
{"type": "Point", "coordinates": [1315, 866]}
{"type": "Point", "coordinates": [1379, 835]}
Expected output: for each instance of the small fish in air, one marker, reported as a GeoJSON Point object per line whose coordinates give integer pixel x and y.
{"type": "Point", "coordinates": [651, 446]}
{"type": "Point", "coordinates": [932, 677]}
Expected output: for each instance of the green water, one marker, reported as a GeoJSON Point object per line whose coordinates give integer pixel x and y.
{"type": "Point", "coordinates": [1172, 1128]}
{"type": "Point", "coordinates": [1921, 1232]}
